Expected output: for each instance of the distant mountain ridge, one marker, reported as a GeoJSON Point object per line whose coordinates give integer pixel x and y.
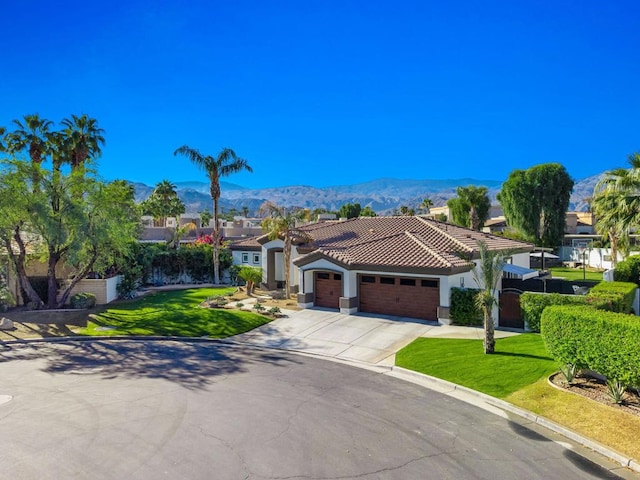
{"type": "Point", "coordinates": [383, 195]}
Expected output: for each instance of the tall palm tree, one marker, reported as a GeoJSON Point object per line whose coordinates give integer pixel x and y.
{"type": "Point", "coordinates": [282, 223]}
{"type": "Point", "coordinates": [487, 273]}
{"type": "Point", "coordinates": [83, 139]}
{"type": "Point", "coordinates": [31, 136]}
{"type": "Point", "coordinates": [222, 165]}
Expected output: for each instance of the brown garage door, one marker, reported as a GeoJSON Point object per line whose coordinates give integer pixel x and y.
{"type": "Point", "coordinates": [400, 296]}
{"type": "Point", "coordinates": [328, 289]}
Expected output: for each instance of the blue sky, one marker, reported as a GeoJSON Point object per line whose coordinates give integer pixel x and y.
{"type": "Point", "coordinates": [334, 92]}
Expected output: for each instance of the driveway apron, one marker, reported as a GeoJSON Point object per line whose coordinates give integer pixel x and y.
{"type": "Point", "coordinates": [364, 338]}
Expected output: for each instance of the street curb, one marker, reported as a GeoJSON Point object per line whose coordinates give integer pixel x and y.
{"type": "Point", "coordinates": [618, 457]}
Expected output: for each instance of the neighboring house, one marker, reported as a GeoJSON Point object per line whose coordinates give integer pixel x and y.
{"type": "Point", "coordinates": [581, 223]}
{"type": "Point", "coordinates": [247, 252]}
{"type": "Point", "coordinates": [495, 225]}
{"type": "Point", "coordinates": [401, 266]}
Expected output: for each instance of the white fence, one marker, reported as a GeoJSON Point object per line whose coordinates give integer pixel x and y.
{"type": "Point", "coordinates": [592, 257]}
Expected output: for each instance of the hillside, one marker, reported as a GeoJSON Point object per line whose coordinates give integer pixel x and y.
{"type": "Point", "coordinates": [382, 195]}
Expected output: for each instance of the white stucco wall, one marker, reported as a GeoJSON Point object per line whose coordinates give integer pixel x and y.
{"type": "Point", "coordinates": [521, 259]}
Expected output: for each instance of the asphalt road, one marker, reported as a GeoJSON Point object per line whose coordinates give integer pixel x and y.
{"type": "Point", "coordinates": [149, 410]}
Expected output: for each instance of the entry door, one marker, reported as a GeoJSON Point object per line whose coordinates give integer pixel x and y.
{"type": "Point", "coordinates": [510, 314]}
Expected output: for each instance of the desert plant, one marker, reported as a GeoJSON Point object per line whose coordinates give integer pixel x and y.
{"type": "Point", "coordinates": [251, 275]}
{"type": "Point", "coordinates": [258, 307]}
{"type": "Point", "coordinates": [569, 371]}
{"type": "Point", "coordinates": [239, 304]}
{"type": "Point", "coordinates": [274, 311]}
{"type": "Point", "coordinates": [616, 390]}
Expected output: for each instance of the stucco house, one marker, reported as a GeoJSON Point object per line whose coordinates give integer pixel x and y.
{"type": "Point", "coordinates": [401, 266]}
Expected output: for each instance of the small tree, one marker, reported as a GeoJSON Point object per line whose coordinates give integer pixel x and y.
{"type": "Point", "coordinates": [368, 212]}
{"type": "Point", "coordinates": [350, 210]}
{"type": "Point", "coordinates": [251, 275]}
{"type": "Point", "coordinates": [487, 274]}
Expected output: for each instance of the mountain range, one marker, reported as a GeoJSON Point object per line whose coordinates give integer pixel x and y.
{"type": "Point", "coordinates": [383, 195]}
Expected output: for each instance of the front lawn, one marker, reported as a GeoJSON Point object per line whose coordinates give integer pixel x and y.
{"type": "Point", "coordinates": [174, 313]}
{"type": "Point", "coordinates": [518, 361]}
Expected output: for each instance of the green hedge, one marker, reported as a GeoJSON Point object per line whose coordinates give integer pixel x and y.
{"type": "Point", "coordinates": [533, 304]}
{"type": "Point", "coordinates": [605, 342]}
{"type": "Point", "coordinates": [463, 310]}
{"type": "Point", "coordinates": [83, 300]}
{"type": "Point", "coordinates": [614, 296]}
{"type": "Point", "coordinates": [628, 270]}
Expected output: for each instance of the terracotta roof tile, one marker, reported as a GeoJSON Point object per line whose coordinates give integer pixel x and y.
{"type": "Point", "coordinates": [403, 242]}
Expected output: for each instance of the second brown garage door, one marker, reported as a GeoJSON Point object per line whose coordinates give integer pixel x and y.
{"type": "Point", "coordinates": [328, 288]}
{"type": "Point", "coordinates": [400, 296]}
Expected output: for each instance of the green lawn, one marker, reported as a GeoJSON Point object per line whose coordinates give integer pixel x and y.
{"type": "Point", "coordinates": [575, 273]}
{"type": "Point", "coordinates": [174, 313]}
{"type": "Point", "coordinates": [519, 361]}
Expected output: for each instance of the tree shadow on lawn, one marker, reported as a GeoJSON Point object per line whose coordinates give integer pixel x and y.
{"type": "Point", "coordinates": [522, 355]}
{"type": "Point", "coordinates": [193, 365]}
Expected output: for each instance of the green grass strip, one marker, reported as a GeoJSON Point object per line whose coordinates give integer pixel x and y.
{"type": "Point", "coordinates": [518, 361]}
{"type": "Point", "coordinates": [174, 313]}
{"type": "Point", "coordinates": [573, 274]}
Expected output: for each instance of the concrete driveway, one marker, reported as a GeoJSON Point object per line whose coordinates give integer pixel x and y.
{"type": "Point", "coordinates": [366, 338]}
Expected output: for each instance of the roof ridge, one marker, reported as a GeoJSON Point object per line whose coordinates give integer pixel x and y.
{"type": "Point", "coordinates": [428, 249]}
{"type": "Point", "coordinates": [446, 234]}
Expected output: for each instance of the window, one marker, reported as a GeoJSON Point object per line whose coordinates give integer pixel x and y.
{"type": "Point", "coordinates": [430, 283]}
{"type": "Point", "coordinates": [410, 282]}
{"type": "Point", "coordinates": [337, 276]}
{"type": "Point", "coordinates": [388, 280]}
{"type": "Point", "coordinates": [323, 276]}
{"type": "Point", "coordinates": [256, 258]}
{"type": "Point", "coordinates": [367, 279]}
{"type": "Point", "coordinates": [245, 258]}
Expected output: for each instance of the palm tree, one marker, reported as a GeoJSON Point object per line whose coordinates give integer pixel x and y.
{"type": "Point", "coordinates": [616, 204]}
{"type": "Point", "coordinates": [470, 208]}
{"type": "Point", "coordinates": [282, 224]}
{"type": "Point", "coordinates": [487, 274]}
{"type": "Point", "coordinates": [32, 136]}
{"type": "Point", "coordinates": [82, 139]}
{"type": "Point", "coordinates": [165, 193]}
{"type": "Point", "coordinates": [222, 165]}
{"type": "Point", "coordinates": [245, 211]}
{"type": "Point", "coordinates": [425, 205]}
{"type": "Point", "coordinates": [3, 147]}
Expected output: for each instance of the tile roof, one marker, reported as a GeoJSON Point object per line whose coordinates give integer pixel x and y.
{"type": "Point", "coordinates": [404, 243]}
{"type": "Point", "coordinates": [249, 243]}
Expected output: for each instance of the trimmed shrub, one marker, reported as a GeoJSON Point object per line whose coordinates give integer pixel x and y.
{"type": "Point", "coordinates": [83, 300]}
{"type": "Point", "coordinates": [533, 304]}
{"type": "Point", "coordinates": [605, 342]}
{"type": "Point", "coordinates": [618, 296]}
{"type": "Point", "coordinates": [628, 270]}
{"type": "Point", "coordinates": [463, 309]}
